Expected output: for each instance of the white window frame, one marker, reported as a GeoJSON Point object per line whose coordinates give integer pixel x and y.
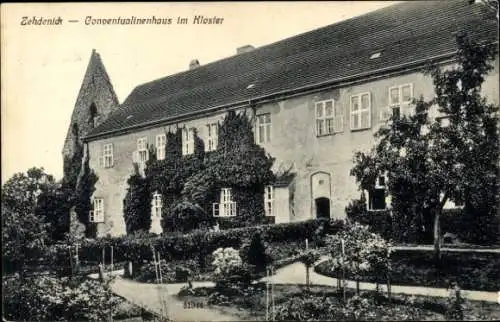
{"type": "Point", "coordinates": [156, 206]}
{"type": "Point", "coordinates": [106, 160]}
{"type": "Point", "coordinates": [387, 114]}
{"type": "Point", "coordinates": [264, 123]}
{"type": "Point", "coordinates": [212, 137]}
{"type": "Point", "coordinates": [96, 215]}
{"type": "Point", "coordinates": [269, 201]}
{"type": "Point", "coordinates": [161, 142]}
{"type": "Point", "coordinates": [142, 150]}
{"type": "Point", "coordinates": [328, 124]}
{"type": "Point", "coordinates": [226, 207]}
{"type": "Point", "coordinates": [360, 111]}
{"type": "Point", "coordinates": [187, 141]}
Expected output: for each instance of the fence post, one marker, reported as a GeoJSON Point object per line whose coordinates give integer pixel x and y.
{"type": "Point", "coordinates": [343, 271]}
{"type": "Point", "coordinates": [272, 295]}
{"type": "Point", "coordinates": [112, 258]}
{"type": "Point", "coordinates": [103, 259]}
{"type": "Point", "coordinates": [267, 293]}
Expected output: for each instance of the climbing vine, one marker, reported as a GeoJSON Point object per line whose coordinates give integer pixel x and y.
{"type": "Point", "coordinates": [196, 179]}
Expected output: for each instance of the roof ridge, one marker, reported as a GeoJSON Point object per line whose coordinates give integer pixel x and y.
{"type": "Point", "coordinates": [202, 66]}
{"type": "Point", "coordinates": [407, 32]}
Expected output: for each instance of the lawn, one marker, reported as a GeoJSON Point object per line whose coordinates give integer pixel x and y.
{"type": "Point", "coordinates": [472, 271]}
{"type": "Point", "coordinates": [295, 302]}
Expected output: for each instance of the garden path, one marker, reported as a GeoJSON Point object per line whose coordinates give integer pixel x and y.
{"type": "Point", "coordinates": [152, 296]}
{"type": "Point", "coordinates": [149, 296]}
{"type": "Point", "coordinates": [295, 274]}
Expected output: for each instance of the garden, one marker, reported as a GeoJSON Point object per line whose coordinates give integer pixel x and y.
{"type": "Point", "coordinates": [356, 252]}
{"type": "Point", "coordinates": [49, 245]}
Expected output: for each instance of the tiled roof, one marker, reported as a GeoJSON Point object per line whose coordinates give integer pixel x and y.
{"type": "Point", "coordinates": [403, 33]}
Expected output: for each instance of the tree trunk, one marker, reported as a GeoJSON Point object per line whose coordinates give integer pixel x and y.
{"type": "Point", "coordinates": [437, 235]}
{"type": "Point", "coordinates": [357, 286]}
{"type": "Point", "coordinates": [307, 277]}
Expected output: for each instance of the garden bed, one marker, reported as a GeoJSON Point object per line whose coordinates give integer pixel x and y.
{"type": "Point", "coordinates": [294, 302]}
{"type": "Point", "coordinates": [472, 271]}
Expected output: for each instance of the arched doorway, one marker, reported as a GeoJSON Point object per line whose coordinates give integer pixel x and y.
{"type": "Point", "coordinates": [322, 208]}
{"type": "Point", "coordinates": [320, 194]}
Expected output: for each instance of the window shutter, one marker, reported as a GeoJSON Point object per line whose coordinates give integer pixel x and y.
{"type": "Point", "coordinates": [112, 156]}
{"type": "Point", "coordinates": [366, 106]}
{"type": "Point", "coordinates": [135, 157]}
{"type": "Point", "coordinates": [101, 161]}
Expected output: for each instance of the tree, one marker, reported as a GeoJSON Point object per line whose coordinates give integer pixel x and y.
{"type": "Point", "coordinates": [24, 238]}
{"type": "Point", "coordinates": [84, 189]}
{"type": "Point", "coordinates": [308, 257]}
{"type": "Point", "coordinates": [35, 192]}
{"type": "Point", "coordinates": [20, 193]}
{"type": "Point", "coordinates": [137, 204]}
{"type": "Point", "coordinates": [428, 162]}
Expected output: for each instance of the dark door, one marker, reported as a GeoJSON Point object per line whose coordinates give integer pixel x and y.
{"type": "Point", "coordinates": [323, 208]}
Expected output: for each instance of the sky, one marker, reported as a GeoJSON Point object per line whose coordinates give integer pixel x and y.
{"type": "Point", "coordinates": [43, 65]}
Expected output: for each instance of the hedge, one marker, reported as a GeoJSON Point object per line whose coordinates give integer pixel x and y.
{"type": "Point", "coordinates": [455, 221]}
{"type": "Point", "coordinates": [196, 245]}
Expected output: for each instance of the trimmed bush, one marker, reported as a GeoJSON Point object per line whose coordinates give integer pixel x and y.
{"type": "Point", "coordinates": [198, 244]}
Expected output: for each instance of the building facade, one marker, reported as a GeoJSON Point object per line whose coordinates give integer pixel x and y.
{"type": "Point", "coordinates": [316, 99]}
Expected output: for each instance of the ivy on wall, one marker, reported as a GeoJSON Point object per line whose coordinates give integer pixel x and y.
{"type": "Point", "coordinates": [83, 202]}
{"type": "Point", "coordinates": [137, 204]}
{"type": "Point", "coordinates": [192, 183]}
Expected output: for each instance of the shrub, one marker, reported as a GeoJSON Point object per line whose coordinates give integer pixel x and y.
{"type": "Point", "coordinates": [256, 254]}
{"type": "Point", "coordinates": [307, 308]}
{"type": "Point", "coordinates": [230, 271]}
{"type": "Point", "coordinates": [46, 298]}
{"type": "Point", "coordinates": [186, 216]}
{"type": "Point", "coordinates": [172, 272]}
{"type": "Point", "coordinates": [199, 244]}
{"type": "Point", "coordinates": [380, 222]}
{"type": "Point", "coordinates": [363, 251]}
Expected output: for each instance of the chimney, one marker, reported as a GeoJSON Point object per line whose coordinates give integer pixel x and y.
{"type": "Point", "coordinates": [194, 64]}
{"type": "Point", "coordinates": [244, 49]}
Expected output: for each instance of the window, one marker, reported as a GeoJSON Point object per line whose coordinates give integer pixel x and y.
{"type": "Point", "coordinates": [264, 128]}
{"type": "Point", "coordinates": [93, 115]}
{"type": "Point", "coordinates": [161, 142]}
{"type": "Point", "coordinates": [97, 214]}
{"type": "Point", "coordinates": [360, 111]}
{"type": "Point", "coordinates": [141, 155]}
{"type": "Point", "coordinates": [142, 150]}
{"type": "Point", "coordinates": [377, 194]}
{"type": "Point", "coordinates": [269, 200]}
{"type": "Point", "coordinates": [329, 118]}
{"type": "Point", "coordinates": [187, 141]}
{"type": "Point", "coordinates": [398, 97]}
{"type": "Point", "coordinates": [226, 207]}
{"type": "Point", "coordinates": [106, 159]}
{"type": "Point", "coordinates": [156, 206]}
{"type": "Point", "coordinates": [213, 134]}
